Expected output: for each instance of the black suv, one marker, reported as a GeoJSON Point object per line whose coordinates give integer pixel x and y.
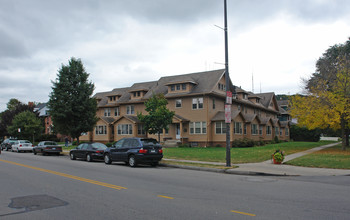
{"type": "Point", "coordinates": [134, 151]}
{"type": "Point", "coordinates": [7, 144]}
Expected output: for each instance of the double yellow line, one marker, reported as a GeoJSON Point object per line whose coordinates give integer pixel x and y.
{"type": "Point", "coordinates": [68, 176]}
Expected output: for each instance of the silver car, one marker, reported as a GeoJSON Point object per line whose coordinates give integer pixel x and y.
{"type": "Point", "coordinates": [22, 145]}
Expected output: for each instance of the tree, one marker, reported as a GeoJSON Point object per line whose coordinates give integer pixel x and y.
{"type": "Point", "coordinates": [72, 108]}
{"type": "Point", "coordinates": [327, 104]}
{"type": "Point", "coordinates": [8, 115]}
{"type": "Point", "coordinates": [25, 125]}
{"type": "Point", "coordinates": [159, 117]}
{"type": "Point", "coordinates": [12, 104]}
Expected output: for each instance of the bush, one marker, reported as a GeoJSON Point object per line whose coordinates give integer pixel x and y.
{"type": "Point", "coordinates": [243, 143]}
{"type": "Point", "coordinates": [184, 145]}
{"type": "Point", "coordinates": [109, 144]}
{"type": "Point", "coordinates": [304, 134]}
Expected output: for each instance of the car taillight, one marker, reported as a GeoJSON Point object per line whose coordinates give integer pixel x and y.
{"type": "Point", "coordinates": [99, 151]}
{"type": "Point", "coordinates": [160, 151]}
{"type": "Point", "coordinates": [20, 145]}
{"type": "Point", "coordinates": [142, 151]}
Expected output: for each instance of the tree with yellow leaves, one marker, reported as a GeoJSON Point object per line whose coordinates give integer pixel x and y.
{"type": "Point", "coordinates": [327, 100]}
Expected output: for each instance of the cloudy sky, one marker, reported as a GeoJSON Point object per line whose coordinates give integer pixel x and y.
{"type": "Point", "coordinates": [121, 42]}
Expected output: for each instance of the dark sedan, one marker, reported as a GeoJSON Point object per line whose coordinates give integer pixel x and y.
{"type": "Point", "coordinates": [47, 147]}
{"type": "Point", "coordinates": [135, 151]}
{"type": "Point", "coordinates": [7, 144]}
{"type": "Point", "coordinates": [88, 151]}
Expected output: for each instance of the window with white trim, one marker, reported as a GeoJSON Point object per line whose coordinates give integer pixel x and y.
{"type": "Point", "coordinates": [198, 127]}
{"type": "Point", "coordinates": [178, 103]}
{"type": "Point", "coordinates": [197, 103]}
{"type": "Point", "coordinates": [220, 127]}
{"type": "Point", "coordinates": [268, 130]}
{"type": "Point", "coordinates": [254, 128]}
{"type": "Point", "coordinates": [101, 130]}
{"type": "Point", "coordinates": [287, 131]}
{"type": "Point", "coordinates": [107, 112]}
{"type": "Point", "coordinates": [125, 129]}
{"type": "Point", "coordinates": [238, 128]}
{"type": "Point", "coordinates": [130, 110]}
{"type": "Point", "coordinates": [116, 111]}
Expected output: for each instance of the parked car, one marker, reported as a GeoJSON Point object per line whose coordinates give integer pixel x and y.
{"type": "Point", "coordinates": [89, 151]}
{"type": "Point", "coordinates": [22, 145]}
{"type": "Point", "coordinates": [135, 151]}
{"type": "Point", "coordinates": [7, 144]}
{"type": "Point", "coordinates": [47, 147]}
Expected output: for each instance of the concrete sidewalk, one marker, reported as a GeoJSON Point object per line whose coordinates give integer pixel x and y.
{"type": "Point", "coordinates": [268, 168]}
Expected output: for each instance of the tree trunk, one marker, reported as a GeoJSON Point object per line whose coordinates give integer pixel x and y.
{"type": "Point", "coordinates": [158, 137]}
{"type": "Point", "coordinates": [77, 141]}
{"type": "Point", "coordinates": [343, 133]}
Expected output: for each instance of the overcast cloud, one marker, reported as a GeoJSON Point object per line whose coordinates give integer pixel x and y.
{"type": "Point", "coordinates": [122, 42]}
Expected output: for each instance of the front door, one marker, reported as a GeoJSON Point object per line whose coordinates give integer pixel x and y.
{"type": "Point", "coordinates": [178, 136]}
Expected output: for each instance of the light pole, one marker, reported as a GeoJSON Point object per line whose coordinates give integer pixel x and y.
{"type": "Point", "coordinates": [228, 101]}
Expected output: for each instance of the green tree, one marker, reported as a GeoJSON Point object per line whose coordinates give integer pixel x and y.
{"type": "Point", "coordinates": [327, 104]}
{"type": "Point", "coordinates": [8, 115]}
{"type": "Point", "coordinates": [72, 108]}
{"type": "Point", "coordinates": [25, 125]}
{"type": "Point", "coordinates": [159, 117]}
{"type": "Point", "coordinates": [12, 104]}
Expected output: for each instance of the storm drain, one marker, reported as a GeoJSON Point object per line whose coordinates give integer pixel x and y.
{"type": "Point", "coordinates": [34, 203]}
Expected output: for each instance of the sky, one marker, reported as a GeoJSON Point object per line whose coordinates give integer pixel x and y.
{"type": "Point", "coordinates": [273, 44]}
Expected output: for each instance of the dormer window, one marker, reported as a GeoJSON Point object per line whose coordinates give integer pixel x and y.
{"type": "Point", "coordinates": [178, 86]}
{"type": "Point", "coordinates": [137, 94]}
{"type": "Point", "coordinates": [112, 98]}
{"type": "Point", "coordinates": [245, 96]}
{"type": "Point", "coordinates": [184, 86]}
{"type": "Point", "coordinates": [221, 87]}
{"type": "Point", "coordinates": [172, 87]}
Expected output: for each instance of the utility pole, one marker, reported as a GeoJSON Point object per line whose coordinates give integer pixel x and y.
{"type": "Point", "coordinates": [228, 101]}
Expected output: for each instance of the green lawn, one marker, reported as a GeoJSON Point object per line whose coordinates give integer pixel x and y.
{"type": "Point", "coordinates": [332, 157]}
{"type": "Point", "coordinates": [238, 155]}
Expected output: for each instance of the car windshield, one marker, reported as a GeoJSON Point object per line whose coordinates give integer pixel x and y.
{"type": "Point", "coordinates": [99, 146]}
{"type": "Point", "coordinates": [24, 142]}
{"type": "Point", "coordinates": [149, 142]}
{"type": "Point", "coordinates": [50, 143]}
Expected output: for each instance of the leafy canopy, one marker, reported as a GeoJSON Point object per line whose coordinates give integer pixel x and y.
{"type": "Point", "coordinates": [25, 125]}
{"type": "Point", "coordinates": [159, 117]}
{"type": "Point", "coordinates": [72, 108]}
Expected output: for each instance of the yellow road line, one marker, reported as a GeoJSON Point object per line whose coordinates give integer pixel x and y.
{"type": "Point", "coordinates": [243, 213]}
{"type": "Point", "coordinates": [67, 175]}
{"type": "Point", "coordinates": [166, 197]}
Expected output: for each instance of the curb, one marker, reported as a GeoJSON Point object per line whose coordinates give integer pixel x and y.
{"type": "Point", "coordinates": [227, 171]}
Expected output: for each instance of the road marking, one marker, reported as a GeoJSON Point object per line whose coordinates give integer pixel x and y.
{"type": "Point", "coordinates": [68, 176]}
{"type": "Point", "coordinates": [243, 213]}
{"type": "Point", "coordinates": [166, 197]}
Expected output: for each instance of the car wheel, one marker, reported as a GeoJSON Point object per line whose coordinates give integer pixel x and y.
{"type": "Point", "coordinates": [72, 156]}
{"type": "Point", "coordinates": [107, 159]}
{"type": "Point", "coordinates": [89, 158]}
{"type": "Point", "coordinates": [132, 161]}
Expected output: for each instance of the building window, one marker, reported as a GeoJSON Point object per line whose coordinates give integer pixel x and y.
{"type": "Point", "coordinates": [112, 98]}
{"type": "Point", "coordinates": [254, 129]}
{"type": "Point", "coordinates": [245, 96]}
{"type": "Point", "coordinates": [172, 87]}
{"type": "Point", "coordinates": [183, 86]}
{"type": "Point", "coordinates": [178, 103]}
{"type": "Point", "coordinates": [198, 127]}
{"type": "Point", "coordinates": [287, 132]}
{"type": "Point", "coordinates": [124, 129]}
{"type": "Point", "coordinates": [141, 129]}
{"type": "Point", "coordinates": [268, 130]}
{"type": "Point", "coordinates": [245, 128]}
{"type": "Point", "coordinates": [130, 110]}
{"type": "Point", "coordinates": [116, 111]}
{"type": "Point", "coordinates": [276, 131]}
{"type": "Point", "coordinates": [220, 127]}
{"type": "Point", "coordinates": [238, 128]}
{"type": "Point", "coordinates": [214, 103]}
{"type": "Point", "coordinates": [178, 86]}
{"type": "Point", "coordinates": [239, 107]}
{"type": "Point", "coordinates": [260, 129]}
{"type": "Point", "coordinates": [221, 87]}
{"type": "Point", "coordinates": [107, 112]}
{"type": "Point", "coordinates": [197, 103]}
{"type": "Point", "coordinates": [101, 130]}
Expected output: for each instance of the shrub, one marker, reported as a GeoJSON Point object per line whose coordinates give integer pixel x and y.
{"type": "Point", "coordinates": [304, 134]}
{"type": "Point", "coordinates": [243, 143]}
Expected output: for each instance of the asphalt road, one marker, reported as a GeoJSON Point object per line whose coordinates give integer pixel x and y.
{"type": "Point", "coordinates": [54, 187]}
